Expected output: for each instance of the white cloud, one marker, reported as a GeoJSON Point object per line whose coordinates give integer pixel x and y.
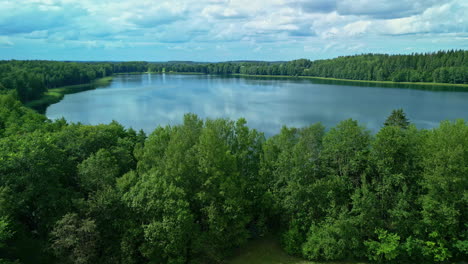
{"type": "Point", "coordinates": [439, 19]}
{"type": "Point", "coordinates": [384, 8]}
{"type": "Point", "coordinates": [5, 42]}
{"type": "Point", "coordinates": [357, 28]}
{"type": "Point", "coordinates": [308, 23]}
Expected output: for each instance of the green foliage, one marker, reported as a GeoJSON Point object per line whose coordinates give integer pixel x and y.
{"type": "Point", "coordinates": [97, 171]}
{"type": "Point", "coordinates": [34, 170]}
{"type": "Point", "coordinates": [324, 242]}
{"type": "Point", "coordinates": [346, 149]}
{"type": "Point", "coordinates": [436, 248]}
{"type": "Point", "coordinates": [74, 240]}
{"type": "Point", "coordinates": [5, 231]}
{"type": "Point", "coordinates": [444, 180]}
{"type": "Point", "coordinates": [462, 246]}
{"type": "Point", "coordinates": [168, 221]}
{"type": "Point", "coordinates": [194, 192]}
{"type": "Point", "coordinates": [385, 248]}
{"type": "Point", "coordinates": [268, 251]}
{"type": "Point", "coordinates": [335, 238]}
{"type": "Point", "coordinates": [189, 180]}
{"type": "Point", "coordinates": [16, 119]}
{"type": "Point", "coordinates": [395, 177]}
{"type": "Point", "coordinates": [397, 118]}
{"type": "Point", "coordinates": [360, 184]}
{"type": "Point", "coordinates": [32, 79]}
{"type": "Point", "coordinates": [293, 238]}
{"type": "Point", "coordinates": [439, 67]}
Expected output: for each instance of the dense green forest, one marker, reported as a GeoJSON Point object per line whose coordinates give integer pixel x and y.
{"type": "Point", "coordinates": [193, 193]}
{"type": "Point", "coordinates": [438, 67]}
{"type": "Point", "coordinates": [29, 80]}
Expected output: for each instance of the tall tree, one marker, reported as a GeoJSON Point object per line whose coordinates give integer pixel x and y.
{"type": "Point", "coordinates": [397, 118]}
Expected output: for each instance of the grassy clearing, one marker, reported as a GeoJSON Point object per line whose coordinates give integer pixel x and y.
{"type": "Point", "coordinates": [56, 94]}
{"type": "Point", "coordinates": [268, 251]}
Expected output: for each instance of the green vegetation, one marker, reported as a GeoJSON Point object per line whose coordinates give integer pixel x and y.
{"type": "Point", "coordinates": [447, 67]}
{"type": "Point", "coordinates": [54, 95]}
{"type": "Point", "coordinates": [200, 191]}
{"type": "Point", "coordinates": [414, 85]}
{"type": "Point", "coordinates": [33, 82]}
{"type": "Point", "coordinates": [269, 251]}
{"type": "Point", "coordinates": [264, 251]}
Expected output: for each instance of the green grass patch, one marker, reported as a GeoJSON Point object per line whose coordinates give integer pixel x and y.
{"type": "Point", "coordinates": [268, 251]}
{"type": "Point", "coordinates": [56, 94]}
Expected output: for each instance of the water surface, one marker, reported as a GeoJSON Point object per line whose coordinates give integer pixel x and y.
{"type": "Point", "coordinates": [148, 100]}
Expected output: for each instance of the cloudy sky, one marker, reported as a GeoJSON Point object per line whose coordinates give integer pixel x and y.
{"type": "Point", "coordinates": [220, 30]}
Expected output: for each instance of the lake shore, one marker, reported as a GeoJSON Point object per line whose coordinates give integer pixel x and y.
{"type": "Point", "coordinates": [355, 81]}
{"type": "Point", "coordinates": [407, 85]}
{"type": "Point", "coordinates": [56, 94]}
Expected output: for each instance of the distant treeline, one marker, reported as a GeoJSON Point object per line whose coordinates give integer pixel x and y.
{"type": "Point", "coordinates": [195, 192]}
{"type": "Point", "coordinates": [31, 79]}
{"type": "Point", "coordinates": [439, 67]}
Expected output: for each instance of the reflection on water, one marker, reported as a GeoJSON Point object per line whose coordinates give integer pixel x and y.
{"type": "Point", "coordinates": [146, 101]}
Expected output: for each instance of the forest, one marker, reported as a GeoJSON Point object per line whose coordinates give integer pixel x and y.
{"type": "Point", "coordinates": [195, 192]}
{"type": "Point", "coordinates": [30, 80]}
{"type": "Point", "coordinates": [438, 67]}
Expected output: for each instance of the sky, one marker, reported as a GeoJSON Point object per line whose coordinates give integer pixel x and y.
{"type": "Point", "coordinates": [223, 30]}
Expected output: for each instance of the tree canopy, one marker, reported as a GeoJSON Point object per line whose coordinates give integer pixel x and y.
{"type": "Point", "coordinates": [439, 67]}
{"type": "Point", "coordinates": [194, 192]}
{"type": "Point", "coordinates": [397, 118]}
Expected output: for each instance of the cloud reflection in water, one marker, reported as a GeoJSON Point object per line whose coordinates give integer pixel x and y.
{"type": "Point", "coordinates": [146, 101]}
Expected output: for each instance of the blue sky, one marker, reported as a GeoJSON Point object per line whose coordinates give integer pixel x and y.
{"type": "Point", "coordinates": [220, 30]}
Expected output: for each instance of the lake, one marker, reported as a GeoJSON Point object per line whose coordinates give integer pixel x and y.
{"type": "Point", "coordinates": [148, 100]}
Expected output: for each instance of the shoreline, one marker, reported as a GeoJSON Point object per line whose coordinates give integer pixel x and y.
{"type": "Point", "coordinates": [55, 95]}
{"type": "Point", "coordinates": [356, 81]}
{"type": "Point", "coordinates": [461, 85]}
{"type": "Point", "coordinates": [464, 87]}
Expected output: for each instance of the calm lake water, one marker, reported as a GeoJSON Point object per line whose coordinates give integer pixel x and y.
{"type": "Point", "coordinates": [149, 100]}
